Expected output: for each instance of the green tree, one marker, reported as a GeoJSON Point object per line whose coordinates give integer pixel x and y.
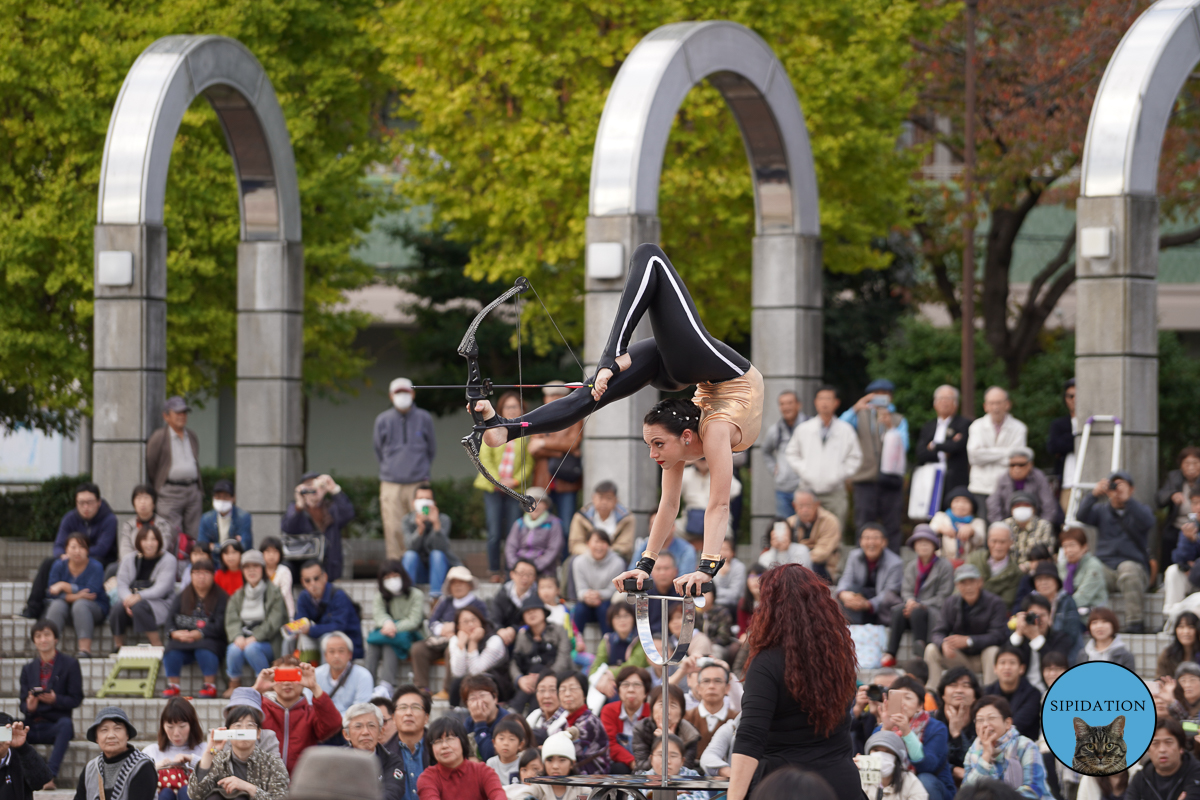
{"type": "Point", "coordinates": [61, 67]}
{"type": "Point", "coordinates": [505, 100]}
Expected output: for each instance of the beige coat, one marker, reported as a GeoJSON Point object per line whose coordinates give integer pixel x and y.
{"type": "Point", "coordinates": [825, 541]}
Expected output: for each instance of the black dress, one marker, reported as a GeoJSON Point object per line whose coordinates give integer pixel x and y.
{"type": "Point", "coordinates": [776, 730]}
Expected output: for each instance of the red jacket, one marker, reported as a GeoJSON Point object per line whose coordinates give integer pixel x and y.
{"type": "Point", "coordinates": [302, 725]}
{"type": "Point", "coordinates": [610, 716]}
{"type": "Point", "coordinates": [471, 781]}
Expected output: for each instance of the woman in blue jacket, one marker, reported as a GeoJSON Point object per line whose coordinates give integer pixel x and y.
{"type": "Point", "coordinates": [76, 592]}
{"type": "Point", "coordinates": [926, 739]}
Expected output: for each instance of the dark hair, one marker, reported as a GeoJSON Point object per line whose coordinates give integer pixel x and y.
{"type": "Point", "coordinates": [270, 542]}
{"type": "Point", "coordinates": [143, 488]}
{"type": "Point", "coordinates": [999, 703]}
{"type": "Point", "coordinates": [517, 726]}
{"type": "Point", "coordinates": [477, 683]}
{"type": "Point", "coordinates": [387, 568]}
{"type": "Point", "coordinates": [235, 713]}
{"type": "Point", "coordinates": [312, 562]}
{"type": "Point", "coordinates": [600, 534]}
{"type": "Point", "coordinates": [791, 782]}
{"type": "Point", "coordinates": [635, 672]}
{"type": "Point", "coordinates": [618, 608]}
{"type": "Point", "coordinates": [1106, 614]}
{"type": "Point", "coordinates": [548, 672]}
{"type": "Point", "coordinates": [86, 486]}
{"type": "Point", "coordinates": [675, 414]}
{"type": "Point", "coordinates": [989, 789]}
{"type": "Point", "coordinates": [1187, 452]}
{"type": "Point", "coordinates": [1053, 658]}
{"type": "Point", "coordinates": [1036, 599]}
{"type": "Point", "coordinates": [426, 485]}
{"type": "Point", "coordinates": [747, 603]}
{"type": "Point", "coordinates": [1039, 552]}
{"type": "Point", "coordinates": [605, 487]}
{"type": "Point", "coordinates": [911, 684]}
{"type": "Point", "coordinates": [676, 696]}
{"type": "Point", "coordinates": [578, 677]}
{"type": "Point", "coordinates": [178, 709]}
{"type": "Point", "coordinates": [411, 688]}
{"type": "Point", "coordinates": [500, 401]}
{"type": "Point", "coordinates": [44, 624]}
{"type": "Point", "coordinates": [872, 525]}
{"type": "Point", "coordinates": [286, 661]}
{"type": "Point", "coordinates": [955, 674]}
{"type": "Point", "coordinates": [144, 532]}
{"type": "Point", "coordinates": [1175, 649]}
{"type": "Point", "coordinates": [1172, 726]}
{"type": "Point", "coordinates": [1075, 535]}
{"type": "Point", "coordinates": [77, 536]}
{"type": "Point", "coordinates": [827, 387]}
{"type": "Point", "coordinates": [767, 535]}
{"type": "Point", "coordinates": [918, 668]}
{"type": "Point", "coordinates": [528, 757]}
{"type": "Point", "coordinates": [488, 630]}
{"type": "Point", "coordinates": [449, 725]}
{"type": "Point", "coordinates": [1009, 649]}
{"type": "Point", "coordinates": [820, 667]}
{"type": "Point", "coordinates": [521, 561]}
{"type": "Point", "coordinates": [384, 703]}
{"type": "Point", "coordinates": [204, 563]}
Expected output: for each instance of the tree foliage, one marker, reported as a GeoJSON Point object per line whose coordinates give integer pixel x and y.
{"type": "Point", "coordinates": [61, 66]}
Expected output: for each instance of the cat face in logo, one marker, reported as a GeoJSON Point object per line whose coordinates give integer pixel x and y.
{"type": "Point", "coordinates": [1099, 749]}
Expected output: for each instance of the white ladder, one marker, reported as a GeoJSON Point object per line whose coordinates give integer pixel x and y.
{"type": "Point", "coordinates": [1078, 486]}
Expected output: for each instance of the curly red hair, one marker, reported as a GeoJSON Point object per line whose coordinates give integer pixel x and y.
{"type": "Point", "coordinates": [797, 614]}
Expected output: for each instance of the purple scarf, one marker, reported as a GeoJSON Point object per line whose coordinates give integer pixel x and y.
{"type": "Point", "coordinates": [1069, 583]}
{"type": "Point", "coordinates": [922, 573]}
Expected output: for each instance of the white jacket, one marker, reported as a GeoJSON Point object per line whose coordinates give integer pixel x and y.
{"type": "Point", "coordinates": [823, 466]}
{"type": "Point", "coordinates": [988, 453]}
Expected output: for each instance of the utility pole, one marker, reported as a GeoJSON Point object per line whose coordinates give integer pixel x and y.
{"type": "Point", "coordinates": [968, 277]}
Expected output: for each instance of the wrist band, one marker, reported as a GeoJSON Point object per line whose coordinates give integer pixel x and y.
{"type": "Point", "coordinates": [710, 566]}
{"type": "Point", "coordinates": [645, 564]}
{"type": "Point", "coordinates": [710, 557]}
{"type": "Point", "coordinates": [650, 554]}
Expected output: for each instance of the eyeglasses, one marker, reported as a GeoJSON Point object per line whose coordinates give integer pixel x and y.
{"type": "Point", "coordinates": [712, 681]}
{"type": "Point", "coordinates": [414, 708]}
{"type": "Point", "coordinates": [356, 727]}
{"type": "Point", "coordinates": [631, 685]}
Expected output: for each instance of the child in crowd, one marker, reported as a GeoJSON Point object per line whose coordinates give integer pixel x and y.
{"type": "Point", "coordinates": [531, 765]}
{"type": "Point", "coordinates": [510, 736]}
{"type": "Point", "coordinates": [560, 614]}
{"type": "Point", "coordinates": [558, 755]}
{"type": "Point", "coordinates": [229, 573]}
{"type": "Point", "coordinates": [675, 767]}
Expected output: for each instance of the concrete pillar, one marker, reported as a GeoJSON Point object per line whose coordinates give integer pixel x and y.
{"type": "Point", "coordinates": [613, 447]}
{"type": "Point", "coordinates": [786, 341]}
{"type": "Point", "coordinates": [129, 354]}
{"type": "Point", "coordinates": [270, 434]}
{"type": "Point", "coordinates": [1116, 340]}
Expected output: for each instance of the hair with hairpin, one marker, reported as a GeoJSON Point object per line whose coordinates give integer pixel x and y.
{"type": "Point", "coordinates": [675, 414]}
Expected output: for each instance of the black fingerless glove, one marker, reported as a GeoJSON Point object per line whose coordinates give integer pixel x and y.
{"type": "Point", "coordinates": [710, 567]}
{"type": "Point", "coordinates": [645, 564]}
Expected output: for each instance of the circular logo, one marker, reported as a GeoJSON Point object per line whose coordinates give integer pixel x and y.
{"type": "Point", "coordinates": [1098, 718]}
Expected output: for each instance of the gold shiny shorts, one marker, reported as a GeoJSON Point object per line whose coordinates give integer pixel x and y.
{"type": "Point", "coordinates": [739, 401]}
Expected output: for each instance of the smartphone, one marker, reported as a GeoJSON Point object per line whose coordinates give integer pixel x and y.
{"type": "Point", "coordinates": [287, 674]}
{"type": "Point", "coordinates": [879, 401]}
{"type": "Point", "coordinates": [895, 704]}
{"type": "Point", "coordinates": [5, 733]}
{"type": "Point", "coordinates": [38, 690]}
{"type": "Point", "coordinates": [235, 735]}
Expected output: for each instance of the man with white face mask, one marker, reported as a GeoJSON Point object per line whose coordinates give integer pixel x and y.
{"type": "Point", "coordinates": [225, 521]}
{"type": "Point", "coordinates": [405, 447]}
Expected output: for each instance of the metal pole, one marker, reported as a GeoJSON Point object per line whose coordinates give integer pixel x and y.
{"type": "Point", "coordinates": [968, 277]}
{"type": "Point", "coordinates": [665, 696]}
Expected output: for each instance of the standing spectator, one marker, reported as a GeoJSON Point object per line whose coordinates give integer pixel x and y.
{"type": "Point", "coordinates": [1060, 443]}
{"type": "Point", "coordinates": [1105, 643]}
{"type": "Point", "coordinates": [94, 520]}
{"type": "Point", "coordinates": [592, 744]}
{"type": "Point", "coordinates": [557, 462]}
{"type": "Point", "coordinates": [196, 631]}
{"type": "Point", "coordinates": [539, 647]}
{"type": "Point", "coordinates": [593, 574]}
{"type": "Point", "coordinates": [730, 580]}
{"type": "Point", "coordinates": [346, 683]}
{"type": "Point", "coordinates": [243, 767]}
{"type": "Point", "coordinates": [144, 499]}
{"type": "Point", "coordinates": [944, 440]}
{"type": "Point", "coordinates": [506, 605]}
{"type": "Point", "coordinates": [620, 716]}
{"type": "Point", "coordinates": [998, 564]}
{"type": "Point", "coordinates": [278, 573]}
{"type": "Point", "coordinates": [229, 568]}
{"type": "Point", "coordinates": [774, 446]}
{"type": "Point", "coordinates": [990, 441]}
{"type": "Point", "coordinates": [173, 466]}
{"type": "Point", "coordinates": [113, 731]}
{"type": "Point", "coordinates": [820, 531]}
{"type": "Point", "coordinates": [1023, 697]}
{"type": "Point", "coordinates": [537, 536]}
{"type": "Point", "coordinates": [824, 453]}
{"type": "Point", "coordinates": [476, 650]}
{"type": "Point", "coordinates": [973, 625]}
{"type": "Point", "coordinates": [713, 711]}
{"type": "Point", "coordinates": [22, 770]}
{"type": "Point", "coordinates": [780, 549]}
{"type": "Point", "coordinates": [999, 747]}
{"type": "Point", "coordinates": [1023, 478]}
{"type": "Point", "coordinates": [413, 707]}
{"type": "Point", "coordinates": [362, 725]}
{"type": "Point", "coordinates": [451, 775]}
{"type": "Point", "coordinates": [298, 722]}
{"type": "Point", "coordinates": [1029, 528]}
{"type": "Point", "coordinates": [511, 465]}
{"type": "Point", "coordinates": [396, 621]}
{"type": "Point", "coordinates": [76, 591]}
{"type": "Point", "coordinates": [1122, 544]}
{"type": "Point", "coordinates": [870, 585]}
{"type": "Point", "coordinates": [877, 496]}
{"type": "Point", "coordinates": [180, 744]}
{"type": "Point", "coordinates": [1081, 572]}
{"type": "Point", "coordinates": [481, 696]}
{"type": "Point", "coordinates": [1035, 637]}
{"type": "Point", "coordinates": [1176, 495]}
{"type": "Point", "coordinates": [225, 521]}
{"type": "Point", "coordinates": [327, 609]}
{"type": "Point", "coordinates": [405, 446]}
{"type": "Point", "coordinates": [51, 688]}
{"type": "Point", "coordinates": [606, 514]}
{"type": "Point", "coordinates": [458, 593]}
{"type": "Point", "coordinates": [928, 581]}
{"type": "Point", "coordinates": [145, 588]}
{"type": "Point", "coordinates": [253, 623]}
{"type": "Point", "coordinates": [962, 529]}
{"type": "Point", "coordinates": [427, 538]}
{"type": "Point", "coordinates": [318, 514]}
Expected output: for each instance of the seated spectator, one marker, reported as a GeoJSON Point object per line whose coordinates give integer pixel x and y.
{"type": "Point", "coordinates": [1175, 496]}
{"type": "Point", "coordinates": [1024, 699]}
{"type": "Point", "coordinates": [1182, 647]}
{"type": "Point", "coordinates": [620, 716]}
{"type": "Point", "coordinates": [1170, 766]}
{"type": "Point", "coordinates": [557, 610]}
{"type": "Point", "coordinates": [362, 725]}
{"type": "Point", "coordinates": [866, 712]}
{"type": "Point", "coordinates": [1000, 746]}
{"type": "Point", "coordinates": [1038, 556]}
{"type": "Point", "coordinates": [506, 605]}
{"type": "Point", "coordinates": [51, 687]}
{"type": "Point", "coordinates": [413, 707]}
{"type": "Point", "coordinates": [143, 499]}
{"type": "Point", "coordinates": [606, 514]}
{"type": "Point", "coordinates": [220, 770]}
{"type": "Point", "coordinates": [319, 513]}
{"type": "Point", "coordinates": [476, 650]}
{"type": "Point", "coordinates": [1182, 577]}
{"type": "Point", "coordinates": [1105, 643]}
{"type": "Point", "coordinates": [225, 521]}
{"type": "Point", "coordinates": [145, 588]}
{"type": "Point", "coordinates": [1122, 542]}
{"type": "Point", "coordinates": [870, 585]}
{"type": "Point", "coordinates": [458, 592]}
{"type": "Point", "coordinates": [674, 767]}
{"type": "Point", "coordinates": [450, 775]}
{"type": "Point", "coordinates": [558, 756]}
{"type": "Point", "coordinates": [1035, 637]}
{"type": "Point", "coordinates": [962, 529]}
{"type": "Point", "coordinates": [387, 734]}
{"type": "Point", "coordinates": [958, 689]}
{"type": "Point", "coordinates": [593, 572]}
{"type": "Point", "coordinates": [780, 549]}
{"type": "Point", "coordinates": [23, 771]}
{"type": "Point", "coordinates": [253, 623]}
{"type": "Point", "coordinates": [229, 568]}
{"type": "Point", "coordinates": [397, 619]}
{"type": "Point", "coordinates": [75, 593]}
{"type": "Point", "coordinates": [428, 554]}
{"type": "Point", "coordinates": [1081, 572]}
{"type": "Point", "coordinates": [481, 697]}
{"type": "Point", "coordinates": [1023, 477]}
{"type": "Point", "coordinates": [298, 722]}
{"type": "Point", "coordinates": [346, 683]}
{"type": "Point", "coordinates": [665, 571]}
{"type": "Point", "coordinates": [549, 717]}
{"type": "Point", "coordinates": [715, 622]}
{"type": "Point", "coordinates": [281, 576]}
{"type": "Point", "coordinates": [539, 646]}
{"type": "Point", "coordinates": [713, 711]}
{"type": "Point", "coordinates": [536, 536]}
{"type": "Point", "coordinates": [715, 763]}
{"type": "Point", "coordinates": [730, 580]}
{"type": "Point", "coordinates": [326, 608]}
{"type": "Point", "coordinates": [92, 518]}
{"type": "Point", "coordinates": [925, 739]}
{"type": "Point", "coordinates": [998, 564]}
{"type": "Point", "coordinates": [681, 551]}
{"type": "Point", "coordinates": [196, 631]}
{"type": "Point", "coordinates": [895, 780]}
{"type": "Point", "coordinates": [820, 531]}
{"type": "Point", "coordinates": [1029, 528]}
{"type": "Point", "coordinates": [180, 744]}
{"type": "Point", "coordinates": [592, 743]}
{"type": "Point", "coordinates": [750, 595]}
{"type": "Point", "coordinates": [647, 735]}
{"type": "Point", "coordinates": [693, 500]}
{"type": "Point", "coordinates": [510, 738]}
{"type": "Point", "coordinates": [1186, 706]}
{"type": "Point", "coordinates": [112, 732]}
{"type": "Point", "coordinates": [973, 625]}
{"type": "Point", "coordinates": [928, 581]}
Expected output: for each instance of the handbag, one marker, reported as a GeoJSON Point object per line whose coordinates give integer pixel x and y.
{"type": "Point", "coordinates": [925, 491]}
{"type": "Point", "coordinates": [568, 468]}
{"type": "Point", "coordinates": [892, 461]}
{"type": "Point", "coordinates": [303, 546]}
{"type": "Point", "coordinates": [187, 622]}
{"type": "Point", "coordinates": [172, 778]}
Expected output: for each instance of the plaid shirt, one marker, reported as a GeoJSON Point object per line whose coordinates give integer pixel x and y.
{"type": "Point", "coordinates": [591, 749]}
{"type": "Point", "coordinates": [1010, 746]}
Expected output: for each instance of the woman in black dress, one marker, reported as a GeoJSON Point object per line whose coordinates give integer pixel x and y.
{"type": "Point", "coordinates": [799, 685]}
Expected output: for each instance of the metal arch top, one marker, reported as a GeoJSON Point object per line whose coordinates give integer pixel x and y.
{"type": "Point", "coordinates": [650, 86]}
{"type": "Point", "coordinates": [1133, 104]}
{"type": "Point", "coordinates": [641, 604]}
{"type": "Point", "coordinates": [160, 86]}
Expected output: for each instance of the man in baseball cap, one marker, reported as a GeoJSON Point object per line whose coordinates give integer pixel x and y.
{"type": "Point", "coordinates": [1122, 542]}
{"type": "Point", "coordinates": [405, 446]}
{"type": "Point", "coordinates": [173, 467]}
{"type": "Point", "coordinates": [972, 626]}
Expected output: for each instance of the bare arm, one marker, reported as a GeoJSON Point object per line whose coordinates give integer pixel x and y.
{"type": "Point", "coordinates": [741, 772]}
{"type": "Point", "coordinates": [718, 452]}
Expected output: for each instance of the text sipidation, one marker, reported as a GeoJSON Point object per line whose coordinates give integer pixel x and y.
{"type": "Point", "coordinates": [1097, 705]}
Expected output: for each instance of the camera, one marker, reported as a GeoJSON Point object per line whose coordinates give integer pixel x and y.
{"type": "Point", "coordinates": [235, 735]}
{"type": "Point", "coordinates": [875, 693]}
{"type": "Point", "coordinates": [308, 491]}
{"type": "Point", "coordinates": [879, 401]}
{"type": "Point", "coordinates": [1032, 618]}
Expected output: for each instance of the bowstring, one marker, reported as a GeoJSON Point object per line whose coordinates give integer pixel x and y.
{"type": "Point", "coordinates": [521, 394]}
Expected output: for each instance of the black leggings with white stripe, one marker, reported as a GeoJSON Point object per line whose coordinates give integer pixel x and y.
{"type": "Point", "coordinates": [680, 354]}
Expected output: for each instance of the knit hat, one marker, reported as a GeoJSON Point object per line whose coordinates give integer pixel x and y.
{"type": "Point", "coordinates": [925, 533]}
{"type": "Point", "coordinates": [244, 696]}
{"type": "Point", "coordinates": [336, 773]}
{"type": "Point", "coordinates": [1187, 668]}
{"type": "Point", "coordinates": [893, 743]}
{"type": "Point", "coordinates": [118, 713]}
{"type": "Point", "coordinates": [538, 495]}
{"type": "Point", "coordinates": [962, 491]}
{"type": "Point", "coordinates": [253, 557]}
{"type": "Point", "coordinates": [560, 744]}
{"type": "Point", "coordinates": [1024, 497]}
{"type": "Point", "coordinates": [966, 572]}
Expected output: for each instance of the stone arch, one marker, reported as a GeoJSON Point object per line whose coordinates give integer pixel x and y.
{"type": "Point", "coordinates": [623, 206]}
{"type": "Point", "coordinates": [131, 268]}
